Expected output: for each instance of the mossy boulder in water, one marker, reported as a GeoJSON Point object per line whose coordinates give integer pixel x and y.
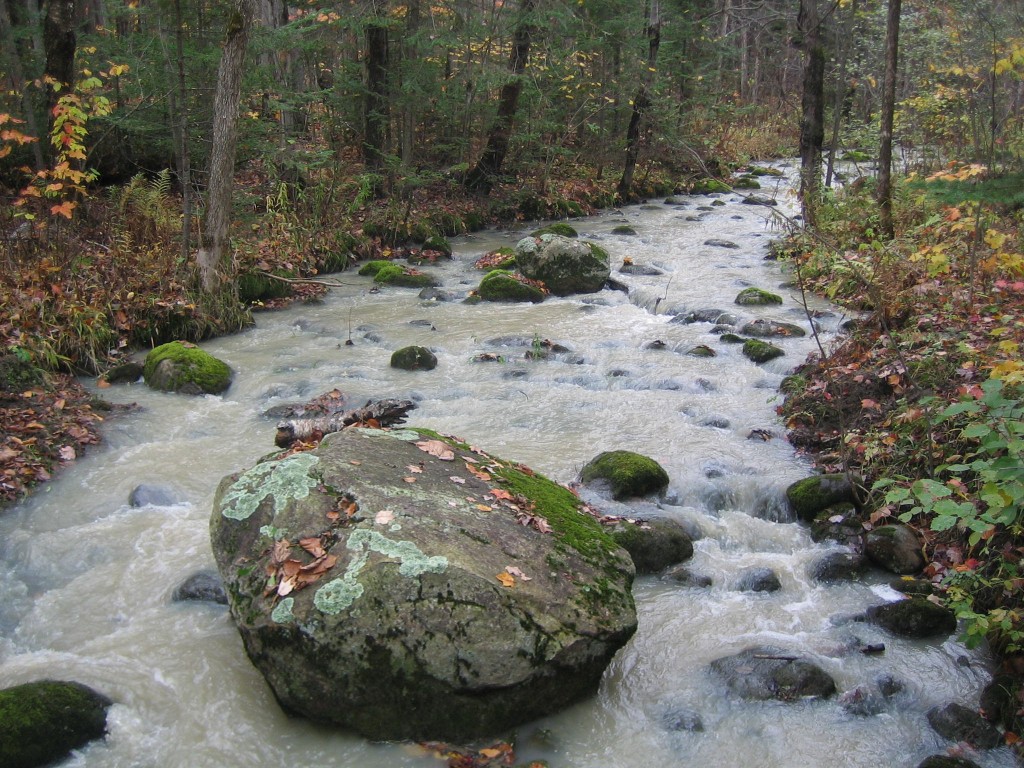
{"type": "Point", "coordinates": [916, 617]}
{"type": "Point", "coordinates": [414, 358]}
{"type": "Point", "coordinates": [451, 603]}
{"type": "Point", "coordinates": [654, 545]}
{"type": "Point", "coordinates": [42, 722]}
{"type": "Point", "coordinates": [896, 548]}
{"type": "Point", "coordinates": [556, 228]}
{"type": "Point", "coordinates": [502, 285]}
{"type": "Point", "coordinates": [758, 351]}
{"type": "Point", "coordinates": [958, 723]}
{"type": "Point", "coordinates": [182, 367]}
{"type": "Point", "coordinates": [813, 494]}
{"type": "Point", "coordinates": [625, 473]}
{"type": "Point", "coordinates": [397, 275]}
{"type": "Point", "coordinates": [757, 297]}
{"type": "Point", "coordinates": [565, 266]}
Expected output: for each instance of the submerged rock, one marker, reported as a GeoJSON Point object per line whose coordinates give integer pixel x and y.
{"type": "Point", "coordinates": [764, 672]}
{"type": "Point", "coordinates": [947, 761]}
{"type": "Point", "coordinates": [565, 266]}
{"type": "Point", "coordinates": [958, 723]}
{"type": "Point", "coordinates": [688, 578]}
{"type": "Point", "coordinates": [202, 586]}
{"type": "Point", "coordinates": [153, 494]}
{"type": "Point", "coordinates": [414, 358]}
{"type": "Point", "coordinates": [452, 602]}
{"type": "Point", "coordinates": [654, 545]}
{"type": "Point", "coordinates": [766, 329]}
{"type": "Point", "coordinates": [41, 722]}
{"type": "Point", "coordinates": [625, 473]}
{"type": "Point", "coordinates": [181, 367]}
{"type": "Point", "coordinates": [758, 580]}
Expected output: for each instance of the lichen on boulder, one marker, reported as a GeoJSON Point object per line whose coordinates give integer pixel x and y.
{"type": "Point", "coordinates": [182, 367]}
{"type": "Point", "coordinates": [626, 474]}
{"type": "Point", "coordinates": [407, 586]}
{"type": "Point", "coordinates": [41, 722]}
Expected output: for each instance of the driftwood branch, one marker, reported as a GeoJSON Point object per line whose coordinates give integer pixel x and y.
{"type": "Point", "coordinates": [304, 280]}
{"type": "Point", "coordinates": [384, 412]}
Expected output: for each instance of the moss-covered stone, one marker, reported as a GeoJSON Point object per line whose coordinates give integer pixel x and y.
{"type": "Point", "coordinates": [916, 617]}
{"type": "Point", "coordinates": [856, 156]}
{"type": "Point", "coordinates": [414, 358]}
{"type": "Point", "coordinates": [757, 297]}
{"type": "Point", "coordinates": [708, 186]}
{"type": "Point", "coordinates": [654, 546]}
{"type": "Point", "coordinates": [556, 228]}
{"type": "Point", "coordinates": [731, 338]}
{"type": "Point", "coordinates": [371, 268]}
{"type": "Point", "coordinates": [18, 374]}
{"type": "Point", "coordinates": [628, 474]}
{"type": "Point", "coordinates": [701, 350]}
{"type": "Point", "coordinates": [182, 367]}
{"type": "Point", "coordinates": [813, 494]}
{"type": "Point", "coordinates": [746, 182]}
{"type": "Point", "coordinates": [502, 285]}
{"type": "Point", "coordinates": [395, 274]}
{"type": "Point", "coordinates": [42, 722]}
{"type": "Point", "coordinates": [439, 244]}
{"type": "Point", "coordinates": [759, 351]}
{"type": "Point", "coordinates": [255, 287]}
{"type": "Point", "coordinates": [623, 229]}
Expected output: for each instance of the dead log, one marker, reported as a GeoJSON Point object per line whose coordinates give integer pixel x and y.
{"type": "Point", "coordinates": [383, 412]}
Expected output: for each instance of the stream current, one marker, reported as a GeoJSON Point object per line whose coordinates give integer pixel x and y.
{"type": "Point", "coordinates": [86, 580]}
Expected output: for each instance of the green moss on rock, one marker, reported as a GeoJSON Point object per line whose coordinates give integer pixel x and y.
{"type": "Point", "coordinates": [181, 367]}
{"type": "Point", "coordinates": [42, 722]}
{"type": "Point", "coordinates": [371, 268]}
{"type": "Point", "coordinates": [813, 494]}
{"type": "Point", "coordinates": [414, 358]}
{"type": "Point", "coordinates": [395, 274]}
{"type": "Point", "coordinates": [502, 285]}
{"type": "Point", "coordinates": [757, 297]}
{"type": "Point", "coordinates": [623, 229]}
{"type": "Point", "coordinates": [628, 474]}
{"type": "Point", "coordinates": [556, 228]}
{"type": "Point", "coordinates": [438, 243]}
{"type": "Point", "coordinates": [760, 351]}
{"type": "Point", "coordinates": [708, 186]}
{"type": "Point", "coordinates": [746, 182]}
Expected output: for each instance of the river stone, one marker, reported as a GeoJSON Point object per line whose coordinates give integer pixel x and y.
{"type": "Point", "coordinates": [915, 617]}
{"type": "Point", "coordinates": [153, 494]}
{"type": "Point", "coordinates": [764, 328]}
{"type": "Point", "coordinates": [502, 285]}
{"type": "Point", "coordinates": [759, 200]}
{"type": "Point", "coordinates": [813, 494]}
{"type": "Point", "coordinates": [947, 761]}
{"type": "Point", "coordinates": [758, 580]}
{"type": "Point", "coordinates": [757, 297]}
{"type": "Point", "coordinates": [896, 548]}
{"type": "Point", "coordinates": [688, 578]}
{"type": "Point", "coordinates": [125, 373]}
{"type": "Point", "coordinates": [706, 315]}
{"type": "Point", "coordinates": [764, 672]}
{"type": "Point", "coordinates": [958, 723]}
{"type": "Point", "coordinates": [466, 597]}
{"type": "Point", "coordinates": [640, 269]}
{"type": "Point", "coordinates": [838, 523]}
{"type": "Point", "coordinates": [715, 242]}
{"type": "Point", "coordinates": [414, 358]}
{"type": "Point", "coordinates": [565, 266]}
{"type": "Point", "coordinates": [41, 722]}
{"type": "Point", "coordinates": [681, 719]}
{"type": "Point", "coordinates": [758, 351]}
{"type": "Point", "coordinates": [182, 367]}
{"type": "Point", "coordinates": [654, 545]}
{"type": "Point", "coordinates": [202, 586]}
{"type": "Point", "coordinates": [837, 566]}
{"type": "Point", "coordinates": [625, 473]}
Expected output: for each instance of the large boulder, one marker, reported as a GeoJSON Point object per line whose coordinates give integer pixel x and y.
{"type": "Point", "coordinates": [764, 672]}
{"type": "Point", "coordinates": [896, 548]}
{"type": "Point", "coordinates": [959, 723]}
{"type": "Point", "coordinates": [42, 722]}
{"type": "Point", "coordinates": [813, 494]}
{"type": "Point", "coordinates": [654, 545]}
{"type": "Point", "coordinates": [182, 367]}
{"type": "Point", "coordinates": [564, 265]}
{"type": "Point", "coordinates": [916, 617]}
{"type": "Point", "coordinates": [408, 586]}
{"type": "Point", "coordinates": [625, 474]}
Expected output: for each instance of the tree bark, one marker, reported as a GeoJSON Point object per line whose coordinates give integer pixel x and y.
{"type": "Point", "coordinates": [213, 251]}
{"type": "Point", "coordinates": [481, 178]}
{"type": "Point", "coordinates": [15, 81]}
{"type": "Point", "coordinates": [892, 42]}
{"type": "Point", "coordinates": [60, 41]}
{"type": "Point", "coordinates": [642, 99]}
{"type": "Point", "coordinates": [812, 121]}
{"type": "Point", "coordinates": [376, 104]}
{"type": "Point", "coordinates": [843, 44]}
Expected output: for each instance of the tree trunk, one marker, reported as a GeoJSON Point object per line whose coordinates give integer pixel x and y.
{"type": "Point", "coordinates": [409, 107]}
{"type": "Point", "coordinates": [376, 104]}
{"type": "Point", "coordinates": [15, 81]}
{"type": "Point", "coordinates": [481, 178]}
{"type": "Point", "coordinates": [843, 45]}
{"type": "Point", "coordinates": [642, 99]}
{"type": "Point", "coordinates": [60, 42]}
{"type": "Point", "coordinates": [812, 121]}
{"type": "Point", "coordinates": [892, 43]}
{"type": "Point", "coordinates": [213, 252]}
{"type": "Point", "coordinates": [180, 133]}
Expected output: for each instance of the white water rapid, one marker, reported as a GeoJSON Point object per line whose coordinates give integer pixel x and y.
{"type": "Point", "coordinates": [86, 580]}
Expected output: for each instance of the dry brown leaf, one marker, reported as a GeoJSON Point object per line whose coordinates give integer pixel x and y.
{"type": "Point", "coordinates": [384, 517]}
{"type": "Point", "coordinates": [416, 470]}
{"type": "Point", "coordinates": [409, 479]}
{"type": "Point", "coordinates": [480, 474]}
{"type": "Point", "coordinates": [484, 508]}
{"type": "Point", "coordinates": [506, 579]}
{"type": "Point", "coordinates": [500, 493]}
{"type": "Point", "coordinates": [458, 480]}
{"type": "Point", "coordinates": [437, 448]}
{"type": "Point", "coordinates": [313, 545]}
{"type": "Point", "coordinates": [67, 453]}
{"type": "Point", "coordinates": [280, 551]}
{"type": "Point", "coordinates": [354, 462]}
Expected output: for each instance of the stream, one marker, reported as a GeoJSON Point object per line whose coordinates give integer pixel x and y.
{"type": "Point", "coordinates": [86, 579]}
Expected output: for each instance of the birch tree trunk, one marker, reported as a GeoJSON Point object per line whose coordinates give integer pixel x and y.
{"type": "Point", "coordinates": [214, 250]}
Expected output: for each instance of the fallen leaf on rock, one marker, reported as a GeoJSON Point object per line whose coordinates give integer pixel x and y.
{"type": "Point", "coordinates": [518, 573]}
{"type": "Point", "coordinates": [313, 545]}
{"type": "Point", "coordinates": [67, 453]}
{"type": "Point", "coordinates": [506, 579]}
{"type": "Point", "coordinates": [457, 479]}
{"type": "Point", "coordinates": [384, 517]}
{"type": "Point", "coordinates": [415, 469]}
{"type": "Point", "coordinates": [480, 474]}
{"type": "Point", "coordinates": [500, 493]}
{"type": "Point", "coordinates": [280, 551]}
{"type": "Point", "coordinates": [409, 479]}
{"type": "Point", "coordinates": [437, 448]}
{"type": "Point", "coordinates": [355, 462]}
{"type": "Point", "coordinates": [484, 508]}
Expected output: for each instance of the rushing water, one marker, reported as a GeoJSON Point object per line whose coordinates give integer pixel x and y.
{"type": "Point", "coordinates": [86, 580]}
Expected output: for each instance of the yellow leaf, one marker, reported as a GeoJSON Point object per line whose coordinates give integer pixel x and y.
{"type": "Point", "coordinates": [506, 579]}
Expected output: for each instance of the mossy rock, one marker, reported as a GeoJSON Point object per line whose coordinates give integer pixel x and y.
{"type": "Point", "coordinates": [41, 722]}
{"type": "Point", "coordinates": [701, 350]}
{"type": "Point", "coordinates": [371, 268]}
{"type": "Point", "coordinates": [556, 228]}
{"type": "Point", "coordinates": [395, 274]}
{"type": "Point", "coordinates": [254, 287]}
{"type": "Point", "coordinates": [18, 374]}
{"type": "Point", "coordinates": [917, 618]}
{"type": "Point", "coordinates": [708, 186]}
{"type": "Point", "coordinates": [500, 258]}
{"type": "Point", "coordinates": [813, 494]}
{"type": "Point", "coordinates": [414, 358]}
{"type": "Point", "coordinates": [756, 170]}
{"type": "Point", "coordinates": [757, 297]}
{"type": "Point", "coordinates": [125, 373]}
{"type": "Point", "coordinates": [856, 156]}
{"type": "Point", "coordinates": [731, 338]}
{"type": "Point", "coordinates": [439, 244]}
{"type": "Point", "coordinates": [502, 285]}
{"type": "Point", "coordinates": [746, 182]}
{"type": "Point", "coordinates": [182, 367]}
{"type": "Point", "coordinates": [759, 351]}
{"type": "Point", "coordinates": [654, 546]}
{"type": "Point", "coordinates": [623, 229]}
{"type": "Point", "coordinates": [628, 474]}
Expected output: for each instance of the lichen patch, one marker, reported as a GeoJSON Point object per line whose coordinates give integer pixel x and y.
{"type": "Point", "coordinates": [285, 480]}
